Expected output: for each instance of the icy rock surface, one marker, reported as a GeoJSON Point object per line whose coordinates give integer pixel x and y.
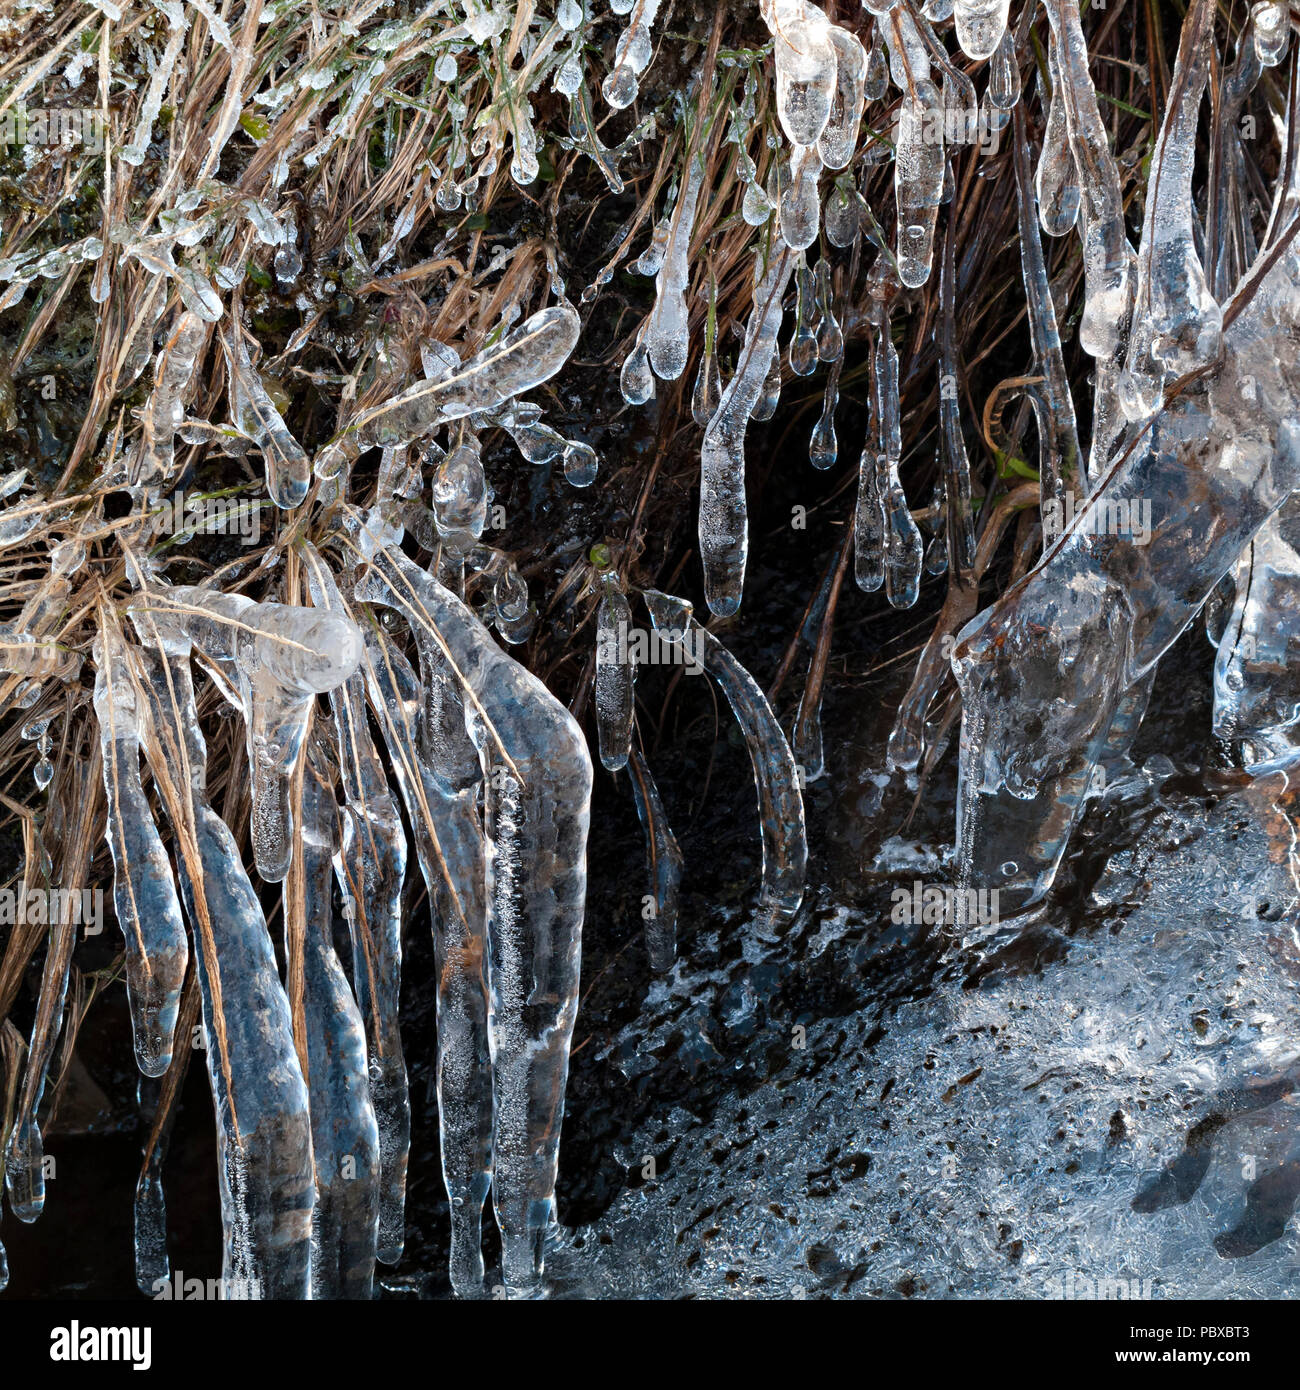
{"type": "Point", "coordinates": [986, 1142]}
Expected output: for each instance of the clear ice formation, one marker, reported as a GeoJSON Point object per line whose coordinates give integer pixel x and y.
{"type": "Point", "coordinates": [521, 360]}
{"type": "Point", "coordinates": [724, 526]}
{"type": "Point", "coordinates": [288, 469]}
{"type": "Point", "coordinates": [24, 1155]}
{"type": "Point", "coordinates": [1177, 323]}
{"type": "Point", "coordinates": [664, 857]}
{"type": "Point", "coordinates": [436, 770]}
{"type": "Point", "coordinates": [344, 1131]}
{"type": "Point", "coordinates": [632, 54]}
{"type": "Point", "coordinates": [981, 25]}
{"type": "Point", "coordinates": [264, 1148]}
{"type": "Point", "coordinates": [666, 335]}
{"type": "Point", "coordinates": [1045, 673]}
{"type": "Point", "coordinates": [920, 161]}
{"type": "Point", "coordinates": [274, 659]}
{"type": "Point", "coordinates": [1256, 691]}
{"type": "Point", "coordinates": [537, 780]}
{"type": "Point", "coordinates": [776, 777]}
{"type": "Point", "coordinates": [144, 889]}
{"type": "Point", "coordinates": [370, 867]}
{"type": "Point", "coordinates": [615, 675]}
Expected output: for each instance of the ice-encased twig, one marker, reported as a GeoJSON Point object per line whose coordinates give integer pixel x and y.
{"type": "Point", "coordinates": [724, 526]}
{"type": "Point", "coordinates": [450, 847]}
{"type": "Point", "coordinates": [263, 1121]}
{"type": "Point", "coordinates": [370, 867]}
{"type": "Point", "coordinates": [776, 778]}
{"type": "Point", "coordinates": [664, 857]}
{"type": "Point", "coordinates": [344, 1132]}
{"type": "Point", "coordinates": [537, 790]}
{"type": "Point", "coordinates": [523, 359]}
{"type": "Point", "coordinates": [152, 463]}
{"type": "Point", "coordinates": [144, 890]}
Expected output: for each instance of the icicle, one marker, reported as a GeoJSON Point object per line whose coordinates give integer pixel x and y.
{"type": "Point", "coordinates": [631, 55]}
{"type": "Point", "coordinates": [1177, 326]}
{"type": "Point", "coordinates": [981, 25]}
{"type": "Point", "coordinates": [807, 64]}
{"type": "Point", "coordinates": [263, 1125]}
{"type": "Point", "coordinates": [1059, 195]}
{"type": "Point", "coordinates": [839, 137]}
{"type": "Point", "coordinates": [151, 1261]}
{"type": "Point", "coordinates": [723, 527]}
{"type": "Point", "coordinates": [636, 380]}
{"type": "Point", "coordinates": [1004, 74]}
{"type": "Point", "coordinates": [958, 513]}
{"type": "Point", "coordinates": [24, 1157]}
{"type": "Point", "coordinates": [144, 891]}
{"type": "Point", "coordinates": [666, 335]}
{"type": "Point", "coordinates": [275, 660]}
{"type": "Point", "coordinates": [537, 789]}
{"type": "Point", "coordinates": [288, 470]}
{"type": "Point", "coordinates": [370, 867]}
{"type": "Point", "coordinates": [708, 380]}
{"type": "Point", "coordinates": [780, 805]}
{"type": "Point", "coordinates": [344, 1132]}
{"type": "Point", "coordinates": [800, 205]}
{"type": "Point", "coordinates": [802, 351]}
{"type": "Point", "coordinates": [830, 338]}
{"type": "Point", "coordinates": [152, 464]}
{"type": "Point", "coordinates": [665, 860]}
{"type": "Point", "coordinates": [823, 447]}
{"type": "Point", "coordinates": [1059, 454]}
{"type": "Point", "coordinates": [1107, 256]}
{"type": "Point", "coordinates": [919, 160]}
{"type": "Point", "coordinates": [615, 675]}
{"type": "Point", "coordinates": [440, 792]}
{"type": "Point", "coordinates": [842, 216]}
{"type": "Point", "coordinates": [1272, 29]}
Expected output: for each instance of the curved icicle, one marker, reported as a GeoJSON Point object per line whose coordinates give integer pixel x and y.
{"type": "Point", "coordinates": [776, 777]}
{"type": "Point", "coordinates": [664, 856]}
{"type": "Point", "coordinates": [344, 1133]}
{"type": "Point", "coordinates": [537, 791]}
{"type": "Point", "coordinates": [264, 1154]}
{"type": "Point", "coordinates": [370, 867]}
{"type": "Point", "coordinates": [144, 888]}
